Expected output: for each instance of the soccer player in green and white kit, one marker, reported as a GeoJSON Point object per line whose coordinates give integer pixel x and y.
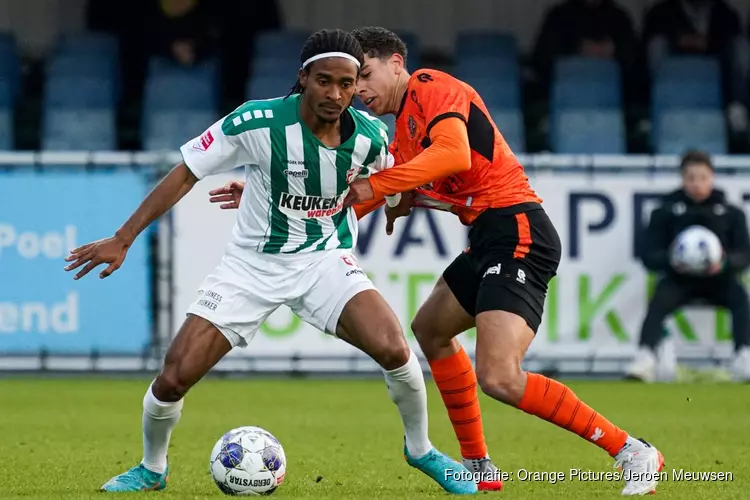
{"type": "Point", "coordinates": [292, 244]}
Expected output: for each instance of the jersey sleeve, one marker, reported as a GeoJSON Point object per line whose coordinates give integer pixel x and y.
{"type": "Point", "coordinates": [215, 152]}
{"type": "Point", "coordinates": [440, 97]}
{"type": "Point", "coordinates": [382, 162]}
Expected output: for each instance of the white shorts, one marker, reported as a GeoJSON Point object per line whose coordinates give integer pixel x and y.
{"type": "Point", "coordinates": [247, 286]}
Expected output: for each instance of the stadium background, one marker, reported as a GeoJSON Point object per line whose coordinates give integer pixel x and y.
{"type": "Point", "coordinates": [83, 135]}
{"type": "Point", "coordinates": [87, 124]}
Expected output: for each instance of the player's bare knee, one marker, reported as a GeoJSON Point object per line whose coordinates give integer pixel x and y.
{"type": "Point", "coordinates": [421, 329]}
{"type": "Point", "coordinates": [502, 381]}
{"type": "Point", "coordinates": [428, 335]}
{"type": "Point", "coordinates": [392, 355]}
{"type": "Point", "coordinates": [169, 385]}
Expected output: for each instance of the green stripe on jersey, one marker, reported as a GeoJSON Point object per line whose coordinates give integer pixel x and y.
{"type": "Point", "coordinates": [279, 184]}
{"type": "Point", "coordinates": [312, 188]}
{"type": "Point", "coordinates": [343, 164]}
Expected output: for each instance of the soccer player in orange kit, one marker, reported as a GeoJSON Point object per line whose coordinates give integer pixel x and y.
{"type": "Point", "coordinates": [451, 156]}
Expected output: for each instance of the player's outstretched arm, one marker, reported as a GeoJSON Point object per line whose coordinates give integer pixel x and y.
{"type": "Point", "coordinates": [113, 250]}
{"type": "Point", "coordinates": [448, 154]}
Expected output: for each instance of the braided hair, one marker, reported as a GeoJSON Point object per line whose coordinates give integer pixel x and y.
{"type": "Point", "coordinates": [328, 41]}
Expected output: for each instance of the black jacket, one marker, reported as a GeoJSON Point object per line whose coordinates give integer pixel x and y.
{"type": "Point", "coordinates": [569, 23]}
{"type": "Point", "coordinates": [669, 19]}
{"type": "Point", "coordinates": [678, 212]}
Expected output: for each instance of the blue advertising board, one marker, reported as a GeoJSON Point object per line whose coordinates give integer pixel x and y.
{"type": "Point", "coordinates": [43, 215]}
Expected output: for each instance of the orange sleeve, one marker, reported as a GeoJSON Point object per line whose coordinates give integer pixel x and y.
{"type": "Point", "coordinates": [362, 209]}
{"type": "Point", "coordinates": [449, 153]}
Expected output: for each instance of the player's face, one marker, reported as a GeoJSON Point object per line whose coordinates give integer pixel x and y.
{"type": "Point", "coordinates": [378, 83]}
{"type": "Point", "coordinates": [329, 87]}
{"type": "Point", "coordinates": [698, 181]}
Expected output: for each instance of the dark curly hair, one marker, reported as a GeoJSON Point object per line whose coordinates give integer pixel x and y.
{"type": "Point", "coordinates": [693, 157]}
{"type": "Point", "coordinates": [328, 41]}
{"type": "Point", "coordinates": [380, 42]}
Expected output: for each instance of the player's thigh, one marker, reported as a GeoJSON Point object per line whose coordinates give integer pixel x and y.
{"type": "Point", "coordinates": [449, 309]}
{"type": "Point", "coordinates": [669, 295]}
{"type": "Point", "coordinates": [368, 323]}
{"type": "Point", "coordinates": [726, 292]}
{"type": "Point", "coordinates": [196, 348]}
{"type": "Point", "coordinates": [342, 301]}
{"type": "Point", "coordinates": [240, 294]}
{"type": "Point", "coordinates": [517, 263]}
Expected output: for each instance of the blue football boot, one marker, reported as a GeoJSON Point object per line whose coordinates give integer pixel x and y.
{"type": "Point", "coordinates": [138, 478]}
{"type": "Point", "coordinates": [452, 476]}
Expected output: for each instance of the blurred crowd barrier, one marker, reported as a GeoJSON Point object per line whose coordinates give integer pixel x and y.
{"type": "Point", "coordinates": [52, 202]}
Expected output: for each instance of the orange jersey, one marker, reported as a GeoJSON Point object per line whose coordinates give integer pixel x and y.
{"type": "Point", "coordinates": [494, 178]}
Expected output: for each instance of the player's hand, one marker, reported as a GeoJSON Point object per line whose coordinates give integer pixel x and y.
{"type": "Point", "coordinates": [403, 209]}
{"type": "Point", "coordinates": [110, 251]}
{"type": "Point", "coordinates": [360, 191]}
{"type": "Point", "coordinates": [230, 195]}
{"type": "Point", "coordinates": [714, 268]}
{"type": "Point", "coordinates": [717, 267]}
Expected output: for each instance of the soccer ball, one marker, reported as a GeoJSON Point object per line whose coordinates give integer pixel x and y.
{"type": "Point", "coordinates": [696, 248]}
{"type": "Point", "coordinates": [248, 461]}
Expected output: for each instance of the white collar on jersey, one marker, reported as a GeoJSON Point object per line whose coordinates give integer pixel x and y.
{"type": "Point", "coordinates": [330, 54]}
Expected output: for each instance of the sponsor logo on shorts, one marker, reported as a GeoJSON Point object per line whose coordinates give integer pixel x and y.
{"type": "Point", "coordinates": [521, 278]}
{"type": "Point", "coordinates": [208, 304]}
{"type": "Point", "coordinates": [213, 295]}
{"type": "Point", "coordinates": [309, 207]}
{"type": "Point", "coordinates": [492, 270]}
{"type": "Point", "coordinates": [351, 261]}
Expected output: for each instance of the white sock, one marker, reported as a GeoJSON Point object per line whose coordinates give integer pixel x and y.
{"type": "Point", "coordinates": [406, 388]}
{"type": "Point", "coordinates": [159, 419]}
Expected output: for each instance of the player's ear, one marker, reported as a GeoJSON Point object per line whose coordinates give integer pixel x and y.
{"type": "Point", "coordinates": [398, 63]}
{"type": "Point", "coordinates": [302, 77]}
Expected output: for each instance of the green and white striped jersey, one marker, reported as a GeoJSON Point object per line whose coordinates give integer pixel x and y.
{"type": "Point", "coordinates": [293, 198]}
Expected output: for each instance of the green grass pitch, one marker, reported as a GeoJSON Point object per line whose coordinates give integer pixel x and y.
{"type": "Point", "coordinates": [62, 438]}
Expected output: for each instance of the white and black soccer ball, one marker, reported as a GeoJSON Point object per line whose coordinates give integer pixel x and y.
{"type": "Point", "coordinates": [696, 248]}
{"type": "Point", "coordinates": [248, 461]}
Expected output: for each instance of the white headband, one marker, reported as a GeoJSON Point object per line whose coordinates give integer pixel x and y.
{"type": "Point", "coordinates": [330, 54]}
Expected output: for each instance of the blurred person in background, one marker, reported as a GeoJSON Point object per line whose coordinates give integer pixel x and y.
{"type": "Point", "coordinates": [706, 28]}
{"type": "Point", "coordinates": [590, 28]}
{"type": "Point", "coordinates": [697, 202]}
{"type": "Point", "coordinates": [185, 30]}
{"type": "Point", "coordinates": [181, 30]}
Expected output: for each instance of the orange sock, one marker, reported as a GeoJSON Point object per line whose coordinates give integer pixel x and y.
{"type": "Point", "coordinates": [552, 401]}
{"type": "Point", "coordinates": [457, 381]}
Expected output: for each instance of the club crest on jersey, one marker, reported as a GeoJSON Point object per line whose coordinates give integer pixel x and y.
{"type": "Point", "coordinates": [412, 127]}
{"type": "Point", "coordinates": [352, 173]}
{"type": "Point", "coordinates": [310, 207]}
{"type": "Point", "coordinates": [349, 260]}
{"type": "Point", "coordinates": [204, 142]}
